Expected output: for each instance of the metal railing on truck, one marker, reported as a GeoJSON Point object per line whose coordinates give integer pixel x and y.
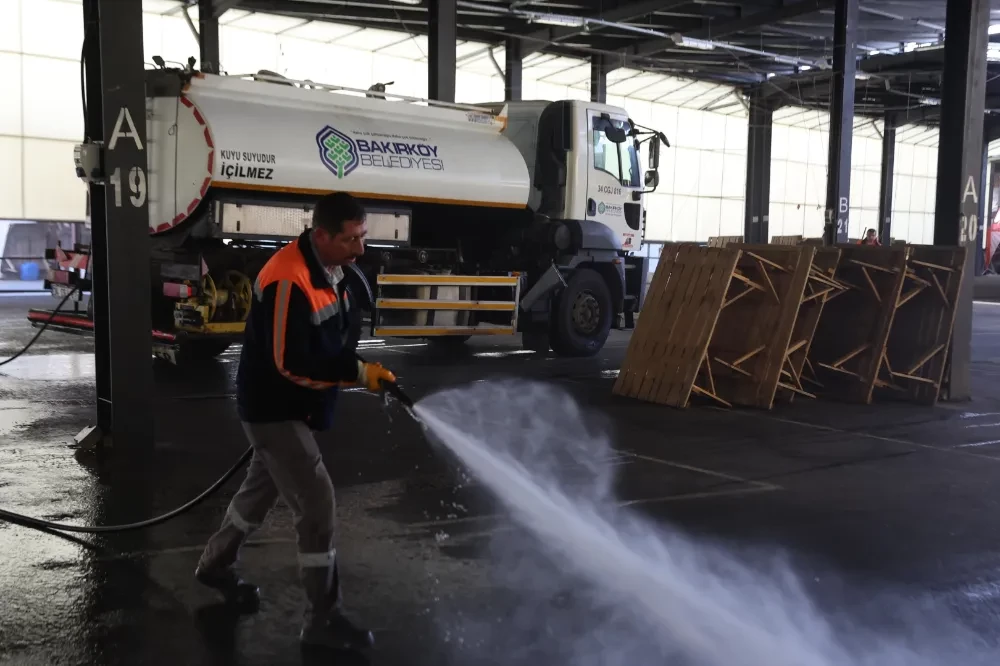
{"type": "Point", "coordinates": [444, 305]}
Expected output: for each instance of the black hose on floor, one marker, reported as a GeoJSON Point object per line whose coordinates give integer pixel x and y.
{"type": "Point", "coordinates": [40, 330]}
{"type": "Point", "coordinates": [37, 524]}
{"type": "Point", "coordinates": [45, 525]}
{"type": "Point", "coordinates": [392, 389]}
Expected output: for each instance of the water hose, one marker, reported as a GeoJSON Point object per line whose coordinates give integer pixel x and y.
{"type": "Point", "coordinates": [42, 329]}
{"type": "Point", "coordinates": [388, 389]}
{"type": "Point", "coordinates": [38, 524]}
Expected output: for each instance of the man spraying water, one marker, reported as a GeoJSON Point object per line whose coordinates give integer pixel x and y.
{"type": "Point", "coordinates": [297, 350]}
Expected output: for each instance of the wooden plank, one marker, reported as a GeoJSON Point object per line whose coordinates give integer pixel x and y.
{"type": "Point", "coordinates": [677, 364]}
{"type": "Point", "coordinates": [633, 370]}
{"type": "Point", "coordinates": [657, 309]}
{"type": "Point", "coordinates": [668, 357]}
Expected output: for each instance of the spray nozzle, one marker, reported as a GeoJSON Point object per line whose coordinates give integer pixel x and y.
{"type": "Point", "coordinates": [392, 389]}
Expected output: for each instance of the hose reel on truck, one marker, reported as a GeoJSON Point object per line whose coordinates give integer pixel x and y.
{"type": "Point", "coordinates": [234, 295]}
{"type": "Point", "coordinates": [464, 205]}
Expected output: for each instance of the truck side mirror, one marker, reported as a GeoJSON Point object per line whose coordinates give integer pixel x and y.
{"type": "Point", "coordinates": [654, 152]}
{"type": "Point", "coordinates": [652, 179]}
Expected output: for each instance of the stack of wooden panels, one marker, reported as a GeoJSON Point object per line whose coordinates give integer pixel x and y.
{"type": "Point", "coordinates": [750, 325]}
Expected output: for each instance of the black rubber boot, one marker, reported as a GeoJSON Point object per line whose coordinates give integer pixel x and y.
{"type": "Point", "coordinates": [335, 632]}
{"type": "Point", "coordinates": [236, 591]}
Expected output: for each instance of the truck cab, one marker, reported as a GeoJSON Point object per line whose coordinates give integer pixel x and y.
{"type": "Point", "coordinates": [583, 164]}
{"type": "Point", "coordinates": [589, 154]}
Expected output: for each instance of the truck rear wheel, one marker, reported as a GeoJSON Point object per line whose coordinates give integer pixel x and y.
{"type": "Point", "coordinates": [581, 315]}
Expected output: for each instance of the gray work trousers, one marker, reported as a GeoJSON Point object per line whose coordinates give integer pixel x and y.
{"type": "Point", "coordinates": [286, 463]}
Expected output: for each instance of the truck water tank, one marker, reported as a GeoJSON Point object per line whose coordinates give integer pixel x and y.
{"type": "Point", "coordinates": [229, 133]}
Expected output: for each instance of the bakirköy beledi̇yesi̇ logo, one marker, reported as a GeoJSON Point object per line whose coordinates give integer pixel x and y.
{"type": "Point", "coordinates": [337, 151]}
{"type": "Point", "coordinates": [342, 154]}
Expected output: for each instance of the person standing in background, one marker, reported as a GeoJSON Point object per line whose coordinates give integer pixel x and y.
{"type": "Point", "coordinates": [871, 238]}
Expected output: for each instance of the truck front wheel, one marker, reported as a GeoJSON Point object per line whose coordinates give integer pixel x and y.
{"type": "Point", "coordinates": [581, 315]}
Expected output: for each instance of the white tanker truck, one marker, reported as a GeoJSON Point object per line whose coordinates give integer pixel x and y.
{"type": "Point", "coordinates": [485, 219]}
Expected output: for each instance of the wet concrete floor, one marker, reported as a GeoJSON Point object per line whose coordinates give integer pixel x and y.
{"type": "Point", "coordinates": [893, 502]}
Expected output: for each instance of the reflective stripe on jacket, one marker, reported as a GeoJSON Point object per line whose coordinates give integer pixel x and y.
{"type": "Point", "coordinates": [297, 344]}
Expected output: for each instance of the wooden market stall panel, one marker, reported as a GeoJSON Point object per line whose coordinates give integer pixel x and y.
{"type": "Point", "coordinates": [916, 354]}
{"type": "Point", "coordinates": [820, 288]}
{"type": "Point", "coordinates": [723, 241]}
{"type": "Point", "coordinates": [853, 331]}
{"type": "Point", "coordinates": [682, 306]}
{"type": "Point", "coordinates": [751, 349]}
{"type": "Point", "coordinates": [718, 322]}
{"type": "Point", "coordinates": [786, 240]}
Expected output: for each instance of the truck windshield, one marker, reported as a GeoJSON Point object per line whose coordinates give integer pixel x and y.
{"type": "Point", "coordinates": [619, 160]}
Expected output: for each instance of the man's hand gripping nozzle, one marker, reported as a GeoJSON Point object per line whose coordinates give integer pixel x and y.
{"type": "Point", "coordinates": [388, 386]}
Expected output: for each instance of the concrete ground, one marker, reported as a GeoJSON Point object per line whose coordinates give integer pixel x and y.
{"type": "Point", "coordinates": [21, 286]}
{"type": "Point", "coordinates": [883, 511]}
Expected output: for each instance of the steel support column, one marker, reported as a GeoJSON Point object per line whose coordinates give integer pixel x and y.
{"type": "Point", "coordinates": [512, 71]}
{"type": "Point", "coordinates": [984, 199]}
{"type": "Point", "coordinates": [960, 166]}
{"type": "Point", "coordinates": [442, 37]}
{"type": "Point", "coordinates": [208, 36]}
{"type": "Point", "coordinates": [838, 171]}
{"type": "Point", "coordinates": [758, 178]}
{"type": "Point", "coordinates": [887, 178]}
{"type": "Point", "coordinates": [116, 121]}
{"type": "Point", "coordinates": [598, 79]}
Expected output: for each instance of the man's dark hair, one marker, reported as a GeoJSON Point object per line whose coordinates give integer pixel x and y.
{"type": "Point", "coordinates": [332, 210]}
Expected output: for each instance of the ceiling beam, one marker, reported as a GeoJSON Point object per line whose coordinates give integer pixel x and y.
{"type": "Point", "coordinates": [335, 11]}
{"type": "Point", "coordinates": [759, 19]}
{"type": "Point", "coordinates": [743, 24]}
{"type": "Point", "coordinates": [220, 7]}
{"type": "Point", "coordinates": [387, 16]}
{"type": "Point", "coordinates": [536, 41]}
{"type": "Point", "coordinates": [414, 22]}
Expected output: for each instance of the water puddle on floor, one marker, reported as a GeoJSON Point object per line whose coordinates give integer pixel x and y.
{"type": "Point", "coordinates": [58, 367]}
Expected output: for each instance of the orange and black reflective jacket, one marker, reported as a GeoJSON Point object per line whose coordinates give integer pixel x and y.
{"type": "Point", "coordinates": [299, 342]}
